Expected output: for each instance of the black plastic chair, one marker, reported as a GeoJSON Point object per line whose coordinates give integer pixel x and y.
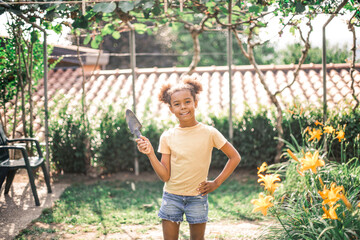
{"type": "Point", "coordinates": [8, 167]}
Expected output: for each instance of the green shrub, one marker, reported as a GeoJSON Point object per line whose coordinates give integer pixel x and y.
{"type": "Point", "coordinates": [68, 139]}
{"type": "Point", "coordinates": [254, 136]}
{"type": "Point", "coordinates": [115, 149]}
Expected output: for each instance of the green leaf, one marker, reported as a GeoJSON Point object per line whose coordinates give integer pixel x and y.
{"type": "Point", "coordinates": [104, 7]}
{"type": "Point", "coordinates": [299, 7]}
{"type": "Point", "coordinates": [34, 36]}
{"type": "Point", "coordinates": [96, 41]}
{"type": "Point", "coordinates": [57, 28]}
{"type": "Point", "coordinates": [107, 29]}
{"type": "Point", "coordinates": [292, 30]}
{"type": "Point", "coordinates": [81, 22]}
{"type": "Point", "coordinates": [148, 5]}
{"type": "Point", "coordinates": [87, 39]}
{"type": "Point", "coordinates": [156, 10]}
{"type": "Point", "coordinates": [254, 9]}
{"type": "Point", "coordinates": [32, 19]}
{"type": "Point", "coordinates": [140, 28]}
{"type": "Point", "coordinates": [261, 24]}
{"type": "Point", "coordinates": [116, 35]}
{"type": "Point", "coordinates": [62, 7]}
{"type": "Point", "coordinates": [126, 6]}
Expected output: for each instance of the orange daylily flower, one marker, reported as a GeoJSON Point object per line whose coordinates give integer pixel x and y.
{"type": "Point", "coordinates": [262, 168]}
{"type": "Point", "coordinates": [307, 129]}
{"type": "Point", "coordinates": [317, 123]}
{"type": "Point", "coordinates": [291, 112]}
{"type": "Point", "coordinates": [315, 133]}
{"type": "Point", "coordinates": [262, 204]}
{"type": "Point", "coordinates": [292, 155]}
{"type": "Point", "coordinates": [329, 129]}
{"type": "Point", "coordinates": [311, 161]}
{"type": "Point", "coordinates": [269, 182]}
{"type": "Point", "coordinates": [331, 213]}
{"type": "Point", "coordinates": [340, 135]}
{"type": "Point", "coordinates": [332, 195]}
{"type": "Point", "coordinates": [345, 201]}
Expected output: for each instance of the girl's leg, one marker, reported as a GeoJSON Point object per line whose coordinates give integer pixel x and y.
{"type": "Point", "coordinates": [197, 231]}
{"type": "Point", "coordinates": [170, 229]}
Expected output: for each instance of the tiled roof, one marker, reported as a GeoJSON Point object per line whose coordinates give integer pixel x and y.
{"type": "Point", "coordinates": [115, 87]}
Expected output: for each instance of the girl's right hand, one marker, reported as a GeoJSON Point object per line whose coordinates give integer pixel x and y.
{"type": "Point", "coordinates": [144, 146]}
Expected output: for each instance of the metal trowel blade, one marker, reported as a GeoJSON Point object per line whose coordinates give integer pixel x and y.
{"type": "Point", "coordinates": [133, 123]}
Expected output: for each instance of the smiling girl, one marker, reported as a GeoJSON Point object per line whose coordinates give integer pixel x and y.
{"type": "Point", "coordinates": [186, 155]}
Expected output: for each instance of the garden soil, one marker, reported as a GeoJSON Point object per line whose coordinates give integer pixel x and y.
{"type": "Point", "coordinates": [18, 210]}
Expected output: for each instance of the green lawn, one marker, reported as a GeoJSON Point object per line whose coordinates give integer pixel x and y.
{"type": "Point", "coordinates": [106, 205]}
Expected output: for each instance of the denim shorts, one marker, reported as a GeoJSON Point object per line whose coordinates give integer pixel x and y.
{"type": "Point", "coordinates": [195, 208]}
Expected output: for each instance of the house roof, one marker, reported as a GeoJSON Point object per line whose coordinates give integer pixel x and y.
{"type": "Point", "coordinates": [69, 55]}
{"type": "Point", "coordinates": [106, 87]}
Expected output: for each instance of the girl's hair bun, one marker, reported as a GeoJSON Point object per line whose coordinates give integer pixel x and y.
{"type": "Point", "coordinates": [191, 84]}
{"type": "Point", "coordinates": [197, 86]}
{"type": "Point", "coordinates": [164, 95]}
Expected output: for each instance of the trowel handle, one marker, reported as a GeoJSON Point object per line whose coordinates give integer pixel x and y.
{"type": "Point", "coordinates": [137, 133]}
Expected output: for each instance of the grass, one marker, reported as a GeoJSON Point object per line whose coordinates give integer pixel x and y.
{"type": "Point", "coordinates": [106, 205]}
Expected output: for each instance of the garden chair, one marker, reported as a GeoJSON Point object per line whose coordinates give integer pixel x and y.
{"type": "Point", "coordinates": [8, 167]}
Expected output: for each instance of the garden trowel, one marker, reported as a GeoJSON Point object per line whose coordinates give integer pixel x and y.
{"type": "Point", "coordinates": [133, 123]}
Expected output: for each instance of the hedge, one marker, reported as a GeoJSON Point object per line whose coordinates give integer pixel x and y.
{"type": "Point", "coordinates": [254, 136]}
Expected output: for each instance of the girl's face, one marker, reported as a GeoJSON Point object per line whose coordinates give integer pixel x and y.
{"type": "Point", "coordinates": [183, 106]}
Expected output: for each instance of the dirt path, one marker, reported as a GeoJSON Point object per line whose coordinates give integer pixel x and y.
{"type": "Point", "coordinates": [215, 230]}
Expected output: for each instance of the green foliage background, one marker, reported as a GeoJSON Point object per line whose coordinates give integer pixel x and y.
{"type": "Point", "coordinates": [254, 138]}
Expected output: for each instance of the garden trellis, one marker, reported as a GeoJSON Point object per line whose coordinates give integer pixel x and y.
{"type": "Point", "coordinates": [240, 17]}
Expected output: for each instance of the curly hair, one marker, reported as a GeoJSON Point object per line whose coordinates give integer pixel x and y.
{"type": "Point", "coordinates": [194, 86]}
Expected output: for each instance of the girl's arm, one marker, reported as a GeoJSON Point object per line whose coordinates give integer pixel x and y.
{"type": "Point", "coordinates": [162, 169]}
{"type": "Point", "coordinates": [234, 159]}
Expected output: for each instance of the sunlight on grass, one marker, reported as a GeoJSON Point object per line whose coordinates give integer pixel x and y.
{"type": "Point", "coordinates": [108, 205]}
{"type": "Point", "coordinates": [114, 203]}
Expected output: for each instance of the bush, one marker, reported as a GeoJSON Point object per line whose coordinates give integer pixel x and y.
{"type": "Point", "coordinates": [115, 149]}
{"type": "Point", "coordinates": [253, 136]}
{"type": "Point", "coordinates": [68, 143]}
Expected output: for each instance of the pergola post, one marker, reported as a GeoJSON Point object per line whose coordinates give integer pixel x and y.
{"type": "Point", "coordinates": [229, 62]}
{"type": "Point", "coordinates": [133, 73]}
{"type": "Point", "coordinates": [46, 104]}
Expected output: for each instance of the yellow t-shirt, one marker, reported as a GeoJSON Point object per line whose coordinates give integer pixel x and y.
{"type": "Point", "coordinates": [190, 152]}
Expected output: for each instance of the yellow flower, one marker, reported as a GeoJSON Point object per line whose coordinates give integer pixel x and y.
{"type": "Point", "coordinates": [269, 182]}
{"type": "Point", "coordinates": [340, 135]}
{"type": "Point", "coordinates": [262, 168]}
{"type": "Point", "coordinates": [332, 195]}
{"type": "Point", "coordinates": [331, 213]}
{"type": "Point", "coordinates": [315, 133]}
{"type": "Point", "coordinates": [262, 204]}
{"type": "Point", "coordinates": [292, 155]}
{"type": "Point", "coordinates": [317, 123]}
{"type": "Point", "coordinates": [329, 129]}
{"type": "Point", "coordinates": [311, 162]}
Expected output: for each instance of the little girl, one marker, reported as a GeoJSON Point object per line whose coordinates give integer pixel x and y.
{"type": "Point", "coordinates": [186, 155]}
